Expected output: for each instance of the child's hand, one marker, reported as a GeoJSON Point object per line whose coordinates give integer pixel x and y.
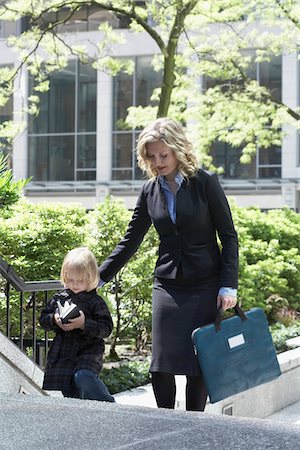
{"type": "Point", "coordinates": [57, 320]}
{"type": "Point", "coordinates": [78, 322]}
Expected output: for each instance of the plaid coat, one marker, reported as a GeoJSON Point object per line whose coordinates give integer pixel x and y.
{"type": "Point", "coordinates": [76, 349]}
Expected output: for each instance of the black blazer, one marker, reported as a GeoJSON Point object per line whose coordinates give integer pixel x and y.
{"type": "Point", "coordinates": [202, 211]}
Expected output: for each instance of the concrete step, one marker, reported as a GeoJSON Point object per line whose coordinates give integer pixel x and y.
{"type": "Point", "coordinates": [38, 422]}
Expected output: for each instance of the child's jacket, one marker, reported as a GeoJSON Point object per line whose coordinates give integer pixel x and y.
{"type": "Point", "coordinates": [76, 349]}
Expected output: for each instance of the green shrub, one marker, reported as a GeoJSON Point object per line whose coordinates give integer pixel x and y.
{"type": "Point", "coordinates": [281, 333]}
{"type": "Point", "coordinates": [126, 376]}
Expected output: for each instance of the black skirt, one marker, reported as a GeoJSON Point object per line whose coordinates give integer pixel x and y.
{"type": "Point", "coordinates": [178, 308]}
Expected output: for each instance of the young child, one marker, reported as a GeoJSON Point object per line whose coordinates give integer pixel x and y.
{"type": "Point", "coordinates": [75, 357]}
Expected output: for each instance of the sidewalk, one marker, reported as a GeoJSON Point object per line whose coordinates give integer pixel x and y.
{"type": "Point", "coordinates": [143, 396]}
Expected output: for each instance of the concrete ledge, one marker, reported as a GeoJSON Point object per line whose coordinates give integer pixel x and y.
{"type": "Point", "coordinates": [18, 373]}
{"type": "Point", "coordinates": [37, 422]}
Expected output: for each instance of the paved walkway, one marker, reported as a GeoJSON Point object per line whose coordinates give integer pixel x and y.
{"type": "Point", "coordinates": [143, 396]}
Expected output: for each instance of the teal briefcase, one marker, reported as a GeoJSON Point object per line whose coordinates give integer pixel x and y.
{"type": "Point", "coordinates": [236, 354]}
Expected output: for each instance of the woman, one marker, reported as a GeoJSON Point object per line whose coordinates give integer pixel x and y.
{"type": "Point", "coordinates": [188, 208]}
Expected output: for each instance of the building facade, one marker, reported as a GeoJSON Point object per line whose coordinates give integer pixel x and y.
{"type": "Point", "coordinates": [77, 150]}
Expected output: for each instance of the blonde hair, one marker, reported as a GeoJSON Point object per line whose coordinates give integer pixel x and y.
{"type": "Point", "coordinates": [82, 263]}
{"type": "Point", "coordinates": [172, 134]}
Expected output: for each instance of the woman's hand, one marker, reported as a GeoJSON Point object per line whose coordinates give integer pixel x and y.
{"type": "Point", "coordinates": [226, 302]}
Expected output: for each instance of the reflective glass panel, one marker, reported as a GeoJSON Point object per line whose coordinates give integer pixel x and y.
{"type": "Point", "coordinates": [146, 80]}
{"type": "Point", "coordinates": [86, 151]}
{"type": "Point", "coordinates": [122, 151]}
{"type": "Point", "coordinates": [270, 156]}
{"type": "Point", "coordinates": [51, 158]}
{"type": "Point", "coordinates": [57, 106]}
{"type": "Point", "coordinates": [270, 76]}
{"type": "Point", "coordinates": [122, 98]}
{"type": "Point", "coordinates": [228, 158]}
{"type": "Point", "coordinates": [87, 96]}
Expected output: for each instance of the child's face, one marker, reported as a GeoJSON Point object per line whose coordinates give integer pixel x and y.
{"type": "Point", "coordinates": [75, 283]}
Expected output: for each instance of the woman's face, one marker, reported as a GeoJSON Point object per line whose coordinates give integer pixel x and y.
{"type": "Point", "coordinates": [162, 159]}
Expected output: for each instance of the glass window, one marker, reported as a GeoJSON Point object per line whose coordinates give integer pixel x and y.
{"type": "Point", "coordinates": [86, 151]}
{"type": "Point", "coordinates": [51, 158]}
{"type": "Point", "coordinates": [130, 90]}
{"type": "Point", "coordinates": [269, 156]}
{"type": "Point", "coordinates": [62, 138]}
{"type": "Point", "coordinates": [146, 80]}
{"type": "Point", "coordinates": [228, 158]}
{"type": "Point", "coordinates": [6, 114]}
{"type": "Point", "coordinates": [270, 76]}
{"type": "Point", "coordinates": [57, 106]}
{"type": "Point", "coordinates": [87, 96]}
{"type": "Point", "coordinates": [122, 98]}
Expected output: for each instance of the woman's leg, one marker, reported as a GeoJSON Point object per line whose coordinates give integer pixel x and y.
{"type": "Point", "coordinates": [164, 389]}
{"type": "Point", "coordinates": [196, 394]}
{"type": "Point", "coordinates": [91, 387]}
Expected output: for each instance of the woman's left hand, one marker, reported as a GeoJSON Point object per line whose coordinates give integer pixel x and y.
{"type": "Point", "coordinates": [226, 301]}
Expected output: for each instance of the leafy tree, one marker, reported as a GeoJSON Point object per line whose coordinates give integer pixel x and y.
{"type": "Point", "coordinates": [195, 38]}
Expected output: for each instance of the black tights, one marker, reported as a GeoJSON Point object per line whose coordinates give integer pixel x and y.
{"type": "Point", "coordinates": [164, 388]}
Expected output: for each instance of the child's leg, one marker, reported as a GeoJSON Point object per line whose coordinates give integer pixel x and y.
{"type": "Point", "coordinates": [91, 387]}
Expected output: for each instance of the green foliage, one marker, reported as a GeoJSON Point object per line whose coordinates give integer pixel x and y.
{"type": "Point", "coordinates": [126, 376]}
{"type": "Point", "coordinates": [269, 256]}
{"type": "Point", "coordinates": [36, 237]}
{"type": "Point", "coordinates": [281, 333]}
{"type": "Point", "coordinates": [10, 191]}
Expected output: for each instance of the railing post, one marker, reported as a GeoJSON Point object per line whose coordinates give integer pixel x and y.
{"type": "Point", "coordinates": [7, 286]}
{"type": "Point", "coordinates": [21, 321]}
{"type": "Point", "coordinates": [34, 326]}
{"type": "Point", "coordinates": [46, 332]}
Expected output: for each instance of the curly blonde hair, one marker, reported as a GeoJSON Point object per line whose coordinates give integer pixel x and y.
{"type": "Point", "coordinates": [172, 134]}
{"type": "Point", "coordinates": [80, 262]}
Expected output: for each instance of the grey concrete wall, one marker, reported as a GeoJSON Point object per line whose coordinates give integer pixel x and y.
{"type": "Point", "coordinates": [18, 374]}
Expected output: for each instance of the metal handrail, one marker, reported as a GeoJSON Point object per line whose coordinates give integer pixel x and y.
{"type": "Point", "coordinates": [31, 287]}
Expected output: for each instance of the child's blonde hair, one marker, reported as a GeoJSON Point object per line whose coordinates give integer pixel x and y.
{"type": "Point", "coordinates": [172, 134]}
{"type": "Point", "coordinates": [82, 263]}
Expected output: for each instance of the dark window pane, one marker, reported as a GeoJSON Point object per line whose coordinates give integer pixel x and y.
{"type": "Point", "coordinates": [146, 80]}
{"type": "Point", "coordinates": [86, 151]}
{"type": "Point", "coordinates": [269, 172]}
{"type": "Point", "coordinates": [270, 156]}
{"type": "Point", "coordinates": [270, 76]}
{"type": "Point", "coordinates": [51, 158]}
{"type": "Point", "coordinates": [87, 93]}
{"type": "Point", "coordinates": [86, 175]}
{"type": "Point", "coordinates": [122, 98]}
{"type": "Point", "coordinates": [122, 151]}
{"type": "Point", "coordinates": [121, 174]}
{"type": "Point", "coordinates": [229, 159]}
{"type": "Point", "coordinates": [57, 106]}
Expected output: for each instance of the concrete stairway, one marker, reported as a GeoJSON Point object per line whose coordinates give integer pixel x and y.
{"type": "Point", "coordinates": [39, 422]}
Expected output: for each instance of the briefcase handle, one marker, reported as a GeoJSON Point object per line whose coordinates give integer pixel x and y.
{"type": "Point", "coordinates": [238, 311]}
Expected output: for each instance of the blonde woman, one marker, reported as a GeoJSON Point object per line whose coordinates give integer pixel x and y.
{"type": "Point", "coordinates": [193, 277]}
{"type": "Point", "coordinates": [75, 357]}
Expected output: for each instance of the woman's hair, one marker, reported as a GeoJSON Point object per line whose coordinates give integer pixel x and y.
{"type": "Point", "coordinates": [172, 134]}
{"type": "Point", "coordinates": [81, 263]}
